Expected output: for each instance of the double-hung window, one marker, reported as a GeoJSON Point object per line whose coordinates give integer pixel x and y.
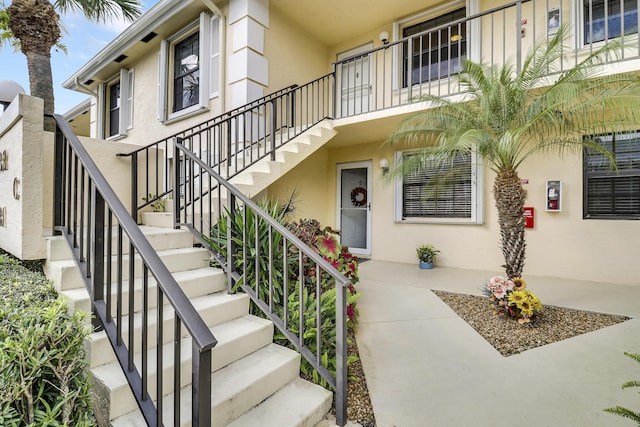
{"type": "Point", "coordinates": [448, 191]}
{"type": "Point", "coordinates": [610, 193]}
{"type": "Point", "coordinates": [189, 69]}
{"type": "Point", "coordinates": [117, 106]}
{"type": "Point", "coordinates": [606, 19]}
{"type": "Point", "coordinates": [436, 49]}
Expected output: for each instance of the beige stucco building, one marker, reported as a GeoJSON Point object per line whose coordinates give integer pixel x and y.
{"type": "Point", "coordinates": [186, 62]}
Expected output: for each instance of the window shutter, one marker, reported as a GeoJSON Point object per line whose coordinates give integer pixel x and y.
{"type": "Point", "coordinates": [214, 66]}
{"type": "Point", "coordinates": [129, 99]}
{"type": "Point", "coordinates": [124, 102]}
{"type": "Point", "coordinates": [162, 80]}
{"type": "Point", "coordinates": [203, 60]}
{"type": "Point", "coordinates": [102, 110]}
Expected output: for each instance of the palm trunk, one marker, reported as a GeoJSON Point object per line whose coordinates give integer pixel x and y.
{"type": "Point", "coordinates": [36, 24]}
{"type": "Point", "coordinates": [510, 197]}
{"type": "Point", "coordinates": [41, 82]}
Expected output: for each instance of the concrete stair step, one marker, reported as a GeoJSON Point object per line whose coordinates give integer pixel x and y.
{"type": "Point", "coordinates": [214, 309]}
{"type": "Point", "coordinates": [65, 274]}
{"type": "Point", "coordinates": [298, 404]}
{"type": "Point", "coordinates": [237, 338]}
{"type": "Point", "coordinates": [159, 238]}
{"type": "Point", "coordinates": [236, 388]}
{"type": "Point", "coordinates": [194, 283]}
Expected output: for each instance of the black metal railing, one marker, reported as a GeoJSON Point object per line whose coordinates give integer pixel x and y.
{"type": "Point", "coordinates": [407, 70]}
{"type": "Point", "coordinates": [283, 276]}
{"type": "Point", "coordinates": [89, 214]}
{"type": "Point", "coordinates": [227, 140]}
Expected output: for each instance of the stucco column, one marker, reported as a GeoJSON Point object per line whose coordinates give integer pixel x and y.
{"type": "Point", "coordinates": [248, 67]}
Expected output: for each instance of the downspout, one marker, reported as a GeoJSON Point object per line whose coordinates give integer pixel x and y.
{"type": "Point", "coordinates": [223, 57]}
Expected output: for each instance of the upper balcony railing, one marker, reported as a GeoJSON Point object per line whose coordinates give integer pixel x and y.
{"type": "Point", "coordinates": [406, 70]}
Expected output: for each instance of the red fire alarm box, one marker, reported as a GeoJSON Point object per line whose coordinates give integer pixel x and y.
{"type": "Point", "coordinates": [528, 217]}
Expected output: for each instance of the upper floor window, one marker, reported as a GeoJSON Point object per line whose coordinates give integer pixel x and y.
{"type": "Point", "coordinates": [435, 54]}
{"type": "Point", "coordinates": [189, 69]}
{"type": "Point", "coordinates": [186, 73]}
{"type": "Point", "coordinates": [117, 106]}
{"type": "Point", "coordinates": [447, 191]}
{"type": "Point", "coordinates": [609, 193]}
{"type": "Point", "coordinates": [606, 19]}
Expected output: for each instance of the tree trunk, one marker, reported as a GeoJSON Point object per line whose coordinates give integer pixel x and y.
{"type": "Point", "coordinates": [510, 197]}
{"type": "Point", "coordinates": [37, 25]}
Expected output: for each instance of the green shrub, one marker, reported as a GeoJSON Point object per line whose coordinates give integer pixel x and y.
{"type": "Point", "coordinates": [44, 379]}
{"type": "Point", "coordinates": [622, 411]}
{"type": "Point", "coordinates": [323, 241]}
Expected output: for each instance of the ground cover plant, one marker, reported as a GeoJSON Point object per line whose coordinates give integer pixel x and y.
{"type": "Point", "coordinates": [44, 372]}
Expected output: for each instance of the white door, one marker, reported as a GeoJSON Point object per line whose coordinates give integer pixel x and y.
{"type": "Point", "coordinates": [355, 83]}
{"type": "Point", "coordinates": [354, 206]}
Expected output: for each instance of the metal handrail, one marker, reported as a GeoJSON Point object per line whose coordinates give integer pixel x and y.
{"type": "Point", "coordinates": [236, 198]}
{"type": "Point", "coordinates": [164, 144]}
{"type": "Point", "coordinates": [86, 235]}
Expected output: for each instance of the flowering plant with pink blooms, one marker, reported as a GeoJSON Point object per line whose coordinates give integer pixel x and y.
{"type": "Point", "coordinates": [511, 297]}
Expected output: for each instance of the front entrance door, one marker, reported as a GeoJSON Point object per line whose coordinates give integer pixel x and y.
{"type": "Point", "coordinates": [355, 85]}
{"type": "Point", "coordinates": [354, 206]}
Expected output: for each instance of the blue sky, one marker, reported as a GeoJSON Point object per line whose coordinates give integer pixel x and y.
{"type": "Point", "coordinates": [83, 40]}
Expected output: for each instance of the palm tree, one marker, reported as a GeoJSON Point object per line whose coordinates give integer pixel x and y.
{"type": "Point", "coordinates": [508, 116]}
{"type": "Point", "coordinates": [36, 24]}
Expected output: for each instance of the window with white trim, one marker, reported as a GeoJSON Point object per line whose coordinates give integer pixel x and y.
{"type": "Point", "coordinates": [189, 69]}
{"type": "Point", "coordinates": [436, 54]}
{"type": "Point", "coordinates": [448, 191]}
{"type": "Point", "coordinates": [607, 19]}
{"type": "Point", "coordinates": [116, 115]}
{"type": "Point", "coordinates": [611, 194]}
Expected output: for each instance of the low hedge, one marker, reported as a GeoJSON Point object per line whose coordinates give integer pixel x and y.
{"type": "Point", "coordinates": [44, 372]}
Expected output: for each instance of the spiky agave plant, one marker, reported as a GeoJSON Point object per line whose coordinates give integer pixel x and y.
{"type": "Point", "coordinates": [507, 116]}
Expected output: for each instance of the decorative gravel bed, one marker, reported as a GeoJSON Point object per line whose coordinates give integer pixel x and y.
{"type": "Point", "coordinates": [509, 337]}
{"type": "Point", "coordinates": [359, 407]}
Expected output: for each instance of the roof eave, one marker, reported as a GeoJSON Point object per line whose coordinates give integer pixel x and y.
{"type": "Point", "coordinates": [150, 20]}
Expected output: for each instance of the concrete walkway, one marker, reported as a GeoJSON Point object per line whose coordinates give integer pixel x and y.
{"type": "Point", "coordinates": [426, 367]}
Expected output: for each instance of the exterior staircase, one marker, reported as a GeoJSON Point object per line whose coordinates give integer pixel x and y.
{"type": "Point", "coordinates": [257, 177]}
{"type": "Point", "coordinates": [254, 382]}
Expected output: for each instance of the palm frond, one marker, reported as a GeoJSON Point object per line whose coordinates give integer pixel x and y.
{"type": "Point", "coordinates": [102, 10]}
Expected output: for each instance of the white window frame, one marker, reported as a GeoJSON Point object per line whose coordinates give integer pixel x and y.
{"type": "Point", "coordinates": [126, 79]}
{"type": "Point", "coordinates": [209, 68]}
{"type": "Point", "coordinates": [578, 18]}
{"type": "Point", "coordinates": [477, 191]}
{"type": "Point", "coordinates": [473, 32]}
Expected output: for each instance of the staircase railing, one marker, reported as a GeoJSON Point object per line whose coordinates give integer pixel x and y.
{"type": "Point", "coordinates": [234, 140]}
{"type": "Point", "coordinates": [89, 214]}
{"type": "Point", "coordinates": [282, 275]}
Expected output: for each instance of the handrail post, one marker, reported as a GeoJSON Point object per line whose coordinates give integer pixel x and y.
{"type": "Point", "coordinates": [134, 186]}
{"type": "Point", "coordinates": [176, 181]}
{"type": "Point", "coordinates": [58, 181]}
{"type": "Point", "coordinates": [341, 355]}
{"type": "Point", "coordinates": [201, 387]}
{"type": "Point", "coordinates": [274, 124]}
{"type": "Point", "coordinates": [231, 245]}
{"type": "Point", "coordinates": [99, 255]}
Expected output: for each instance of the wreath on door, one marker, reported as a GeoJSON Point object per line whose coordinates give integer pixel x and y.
{"type": "Point", "coordinates": [359, 197]}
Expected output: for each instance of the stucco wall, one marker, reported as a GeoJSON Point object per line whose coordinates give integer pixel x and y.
{"type": "Point", "coordinates": [21, 136]}
{"type": "Point", "coordinates": [561, 244]}
{"type": "Point", "coordinates": [30, 154]}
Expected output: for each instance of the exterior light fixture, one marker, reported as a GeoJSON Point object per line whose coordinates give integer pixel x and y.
{"type": "Point", "coordinates": [384, 37]}
{"type": "Point", "coordinates": [384, 165]}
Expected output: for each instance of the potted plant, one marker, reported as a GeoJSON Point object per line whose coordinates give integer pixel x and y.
{"type": "Point", "coordinates": [427, 255]}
